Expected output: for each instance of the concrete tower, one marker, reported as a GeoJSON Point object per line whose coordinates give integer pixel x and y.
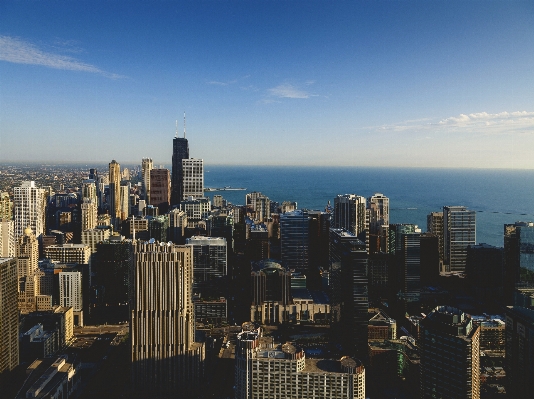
{"type": "Point", "coordinates": [114, 189]}
{"type": "Point", "coordinates": [449, 350]}
{"type": "Point", "coordinates": [29, 208]}
{"type": "Point", "coordinates": [193, 178]}
{"type": "Point", "coordinates": [459, 231]}
{"type": "Point", "coordinates": [146, 166]}
{"type": "Point", "coordinates": [165, 356]}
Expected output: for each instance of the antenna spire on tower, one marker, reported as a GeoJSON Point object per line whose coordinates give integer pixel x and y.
{"type": "Point", "coordinates": [176, 135]}
{"type": "Point", "coordinates": [184, 124]}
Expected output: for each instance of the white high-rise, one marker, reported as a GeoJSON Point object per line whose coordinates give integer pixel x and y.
{"type": "Point", "coordinates": [193, 172]}
{"type": "Point", "coordinates": [29, 209]}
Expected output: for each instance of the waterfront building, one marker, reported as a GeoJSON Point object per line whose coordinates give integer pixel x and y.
{"type": "Point", "coordinates": [350, 214]}
{"type": "Point", "coordinates": [193, 178]}
{"type": "Point", "coordinates": [519, 363]}
{"type": "Point", "coordinates": [165, 357]}
{"type": "Point", "coordinates": [459, 231]}
{"type": "Point", "coordinates": [378, 216]}
{"type": "Point", "coordinates": [9, 316]}
{"type": "Point", "coordinates": [450, 348]}
{"type": "Point", "coordinates": [29, 209]}
{"type": "Point", "coordinates": [518, 256]}
{"type": "Point", "coordinates": [146, 166]}
{"type": "Point", "coordinates": [434, 225]}
{"type": "Point", "coordinates": [268, 370]}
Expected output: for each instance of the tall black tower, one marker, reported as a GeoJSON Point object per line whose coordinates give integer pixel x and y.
{"type": "Point", "coordinates": [180, 150]}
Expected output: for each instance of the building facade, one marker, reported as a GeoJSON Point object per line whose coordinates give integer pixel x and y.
{"type": "Point", "coordinates": [449, 348]}
{"type": "Point", "coordinates": [29, 209]}
{"type": "Point", "coordinates": [160, 187]}
{"type": "Point", "coordinates": [459, 231]}
{"type": "Point", "coordinates": [268, 370]}
{"type": "Point", "coordinates": [180, 151]}
{"type": "Point", "coordinates": [165, 357]}
{"type": "Point", "coordinates": [9, 316]}
{"type": "Point", "coordinates": [209, 258]}
{"type": "Point", "coordinates": [193, 178]}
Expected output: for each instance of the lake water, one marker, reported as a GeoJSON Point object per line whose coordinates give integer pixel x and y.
{"type": "Point", "coordinates": [498, 196]}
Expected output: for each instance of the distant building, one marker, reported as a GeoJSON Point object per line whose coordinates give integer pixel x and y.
{"type": "Point", "coordinates": [160, 188]}
{"type": "Point", "coordinates": [27, 253]}
{"type": "Point", "coordinates": [518, 256]}
{"type": "Point", "coordinates": [6, 207]}
{"type": "Point", "coordinates": [71, 294]}
{"type": "Point", "coordinates": [193, 178]}
{"type": "Point", "coordinates": [268, 370]}
{"type": "Point", "coordinates": [459, 232]}
{"type": "Point", "coordinates": [485, 272]}
{"type": "Point", "coordinates": [146, 166]}
{"type": "Point", "coordinates": [9, 316]}
{"type": "Point", "coordinates": [434, 225]}
{"type": "Point", "coordinates": [114, 201]}
{"type": "Point", "coordinates": [378, 208]}
{"type": "Point", "coordinates": [89, 209]}
{"type": "Point", "coordinates": [449, 348]}
{"type": "Point", "coordinates": [381, 326]}
{"type": "Point", "coordinates": [180, 151]}
{"type": "Point", "coordinates": [350, 214]}
{"type": "Point", "coordinates": [29, 209]}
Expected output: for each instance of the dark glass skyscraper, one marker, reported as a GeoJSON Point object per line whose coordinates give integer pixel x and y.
{"type": "Point", "coordinates": [180, 150]}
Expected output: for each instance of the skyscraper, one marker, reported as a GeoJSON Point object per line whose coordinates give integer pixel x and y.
{"type": "Point", "coordinates": [160, 188]}
{"type": "Point", "coordinates": [114, 189]}
{"type": "Point", "coordinates": [518, 256]}
{"type": "Point", "coordinates": [29, 209]}
{"type": "Point", "coordinates": [27, 253]}
{"type": "Point", "coordinates": [209, 258]}
{"type": "Point", "coordinates": [165, 356]}
{"type": "Point", "coordinates": [449, 349]}
{"type": "Point", "coordinates": [378, 217]}
{"type": "Point", "coordinates": [6, 206]}
{"type": "Point", "coordinates": [193, 178]}
{"type": "Point", "coordinates": [434, 225]}
{"type": "Point", "coordinates": [350, 214]}
{"type": "Point", "coordinates": [459, 231]}
{"type": "Point", "coordinates": [146, 166]}
{"type": "Point", "coordinates": [9, 316]}
{"type": "Point", "coordinates": [180, 151]}
{"type": "Point", "coordinates": [7, 239]}
{"type": "Point", "coordinates": [294, 240]}
{"type": "Point", "coordinates": [519, 362]}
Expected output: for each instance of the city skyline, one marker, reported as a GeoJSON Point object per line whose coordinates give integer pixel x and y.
{"type": "Point", "coordinates": [446, 84]}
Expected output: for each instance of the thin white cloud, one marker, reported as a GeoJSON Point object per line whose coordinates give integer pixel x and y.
{"type": "Point", "coordinates": [19, 51]}
{"type": "Point", "coordinates": [219, 83]}
{"type": "Point", "coordinates": [287, 90]}
{"type": "Point", "coordinates": [482, 123]}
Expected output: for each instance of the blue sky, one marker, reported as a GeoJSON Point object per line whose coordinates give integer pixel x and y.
{"type": "Point", "coordinates": [371, 83]}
